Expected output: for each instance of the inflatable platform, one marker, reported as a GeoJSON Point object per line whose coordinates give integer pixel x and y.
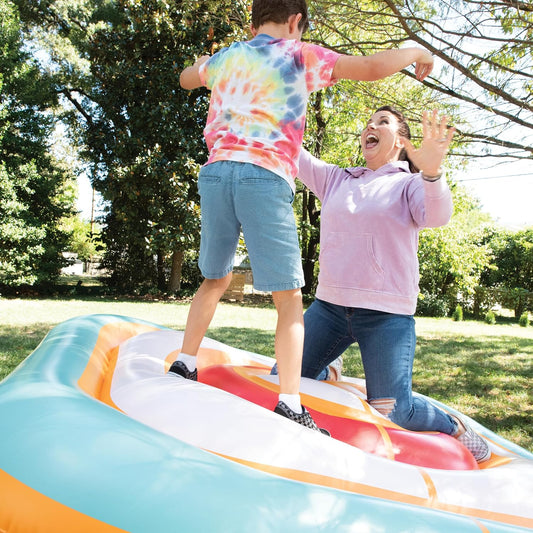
{"type": "Point", "coordinates": [95, 436]}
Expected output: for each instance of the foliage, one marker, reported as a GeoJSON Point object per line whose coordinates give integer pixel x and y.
{"type": "Point", "coordinates": [512, 268]}
{"type": "Point", "coordinates": [36, 191]}
{"type": "Point", "coordinates": [117, 64]}
{"type": "Point", "coordinates": [85, 238]}
{"type": "Point", "coordinates": [147, 133]}
{"type": "Point", "coordinates": [490, 317]}
{"type": "Point", "coordinates": [458, 314]}
{"type": "Point", "coordinates": [433, 305]}
{"type": "Point", "coordinates": [485, 58]}
{"type": "Point", "coordinates": [114, 65]}
{"type": "Point", "coordinates": [453, 256]}
{"type": "Point", "coordinates": [523, 321]}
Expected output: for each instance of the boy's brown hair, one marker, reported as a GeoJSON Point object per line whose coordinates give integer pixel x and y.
{"type": "Point", "coordinates": [279, 11]}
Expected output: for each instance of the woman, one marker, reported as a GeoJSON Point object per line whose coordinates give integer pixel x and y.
{"type": "Point", "coordinates": [368, 282]}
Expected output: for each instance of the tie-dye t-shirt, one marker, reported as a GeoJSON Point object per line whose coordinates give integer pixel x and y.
{"type": "Point", "coordinates": [259, 93]}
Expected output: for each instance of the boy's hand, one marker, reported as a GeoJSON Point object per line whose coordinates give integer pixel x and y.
{"type": "Point", "coordinates": [424, 64]}
{"type": "Point", "coordinates": [190, 78]}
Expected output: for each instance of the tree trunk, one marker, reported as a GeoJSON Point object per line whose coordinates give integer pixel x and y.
{"type": "Point", "coordinates": [174, 283]}
{"type": "Point", "coordinates": [310, 211]}
{"type": "Point", "coordinates": [310, 240]}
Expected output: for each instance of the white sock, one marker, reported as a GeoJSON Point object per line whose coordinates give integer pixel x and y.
{"type": "Point", "coordinates": [189, 360]}
{"type": "Point", "coordinates": [292, 401]}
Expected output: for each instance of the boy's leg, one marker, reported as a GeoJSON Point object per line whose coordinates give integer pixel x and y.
{"type": "Point", "coordinates": [219, 238]}
{"type": "Point", "coordinates": [201, 312]}
{"type": "Point", "coordinates": [289, 348]}
{"type": "Point", "coordinates": [263, 204]}
{"type": "Point", "coordinates": [289, 339]}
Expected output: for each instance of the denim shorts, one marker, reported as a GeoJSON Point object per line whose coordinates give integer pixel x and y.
{"type": "Point", "coordinates": [237, 196]}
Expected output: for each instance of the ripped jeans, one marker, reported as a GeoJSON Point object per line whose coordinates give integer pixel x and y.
{"type": "Point", "coordinates": [387, 343]}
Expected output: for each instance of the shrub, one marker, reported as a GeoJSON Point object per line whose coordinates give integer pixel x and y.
{"type": "Point", "coordinates": [524, 319]}
{"type": "Point", "coordinates": [490, 317]}
{"type": "Point", "coordinates": [431, 305]}
{"type": "Point", "coordinates": [458, 314]}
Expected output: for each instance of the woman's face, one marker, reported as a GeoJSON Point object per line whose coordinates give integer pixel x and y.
{"type": "Point", "coordinates": [380, 140]}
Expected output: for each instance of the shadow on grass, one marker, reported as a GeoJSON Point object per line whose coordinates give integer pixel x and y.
{"type": "Point", "coordinates": [488, 378]}
{"type": "Point", "coordinates": [253, 340]}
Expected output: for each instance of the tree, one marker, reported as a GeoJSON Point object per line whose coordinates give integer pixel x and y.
{"type": "Point", "coordinates": [453, 257]}
{"type": "Point", "coordinates": [36, 191]}
{"type": "Point", "coordinates": [512, 269]}
{"type": "Point", "coordinates": [486, 49]}
{"type": "Point", "coordinates": [118, 66]}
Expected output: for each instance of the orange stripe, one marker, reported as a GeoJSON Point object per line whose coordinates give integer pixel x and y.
{"type": "Point", "coordinates": [432, 491]}
{"type": "Point", "coordinates": [23, 509]}
{"type": "Point", "coordinates": [348, 386]}
{"type": "Point", "coordinates": [96, 378]}
{"type": "Point", "coordinates": [210, 357]}
{"type": "Point", "coordinates": [322, 405]}
{"type": "Point", "coordinates": [482, 527]}
{"type": "Point", "coordinates": [367, 490]}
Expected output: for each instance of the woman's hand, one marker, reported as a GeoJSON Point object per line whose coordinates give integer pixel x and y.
{"type": "Point", "coordinates": [435, 143]}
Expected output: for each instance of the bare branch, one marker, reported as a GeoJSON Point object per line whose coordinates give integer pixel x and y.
{"type": "Point", "coordinates": [455, 64]}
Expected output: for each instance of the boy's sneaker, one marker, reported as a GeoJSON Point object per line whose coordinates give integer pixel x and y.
{"type": "Point", "coordinates": [180, 368]}
{"type": "Point", "coordinates": [475, 444]}
{"type": "Point", "coordinates": [303, 418]}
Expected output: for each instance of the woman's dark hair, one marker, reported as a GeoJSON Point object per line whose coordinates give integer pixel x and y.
{"type": "Point", "coordinates": [279, 11]}
{"type": "Point", "coordinates": [404, 131]}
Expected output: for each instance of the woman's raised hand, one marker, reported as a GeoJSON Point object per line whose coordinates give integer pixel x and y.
{"type": "Point", "coordinates": [436, 140]}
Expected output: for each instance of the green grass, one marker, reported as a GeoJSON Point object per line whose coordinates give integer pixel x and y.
{"type": "Point", "coordinates": [482, 370]}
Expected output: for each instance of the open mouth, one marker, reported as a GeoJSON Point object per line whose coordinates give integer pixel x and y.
{"type": "Point", "coordinates": [371, 140]}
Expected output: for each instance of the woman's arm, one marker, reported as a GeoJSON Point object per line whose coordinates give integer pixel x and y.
{"type": "Point", "coordinates": [434, 207]}
{"type": "Point", "coordinates": [315, 174]}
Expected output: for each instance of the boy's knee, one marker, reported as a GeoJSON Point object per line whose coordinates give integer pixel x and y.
{"type": "Point", "coordinates": [288, 295]}
{"type": "Point", "coordinates": [220, 284]}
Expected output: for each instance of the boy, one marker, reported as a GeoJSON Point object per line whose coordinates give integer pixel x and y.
{"type": "Point", "coordinates": [254, 130]}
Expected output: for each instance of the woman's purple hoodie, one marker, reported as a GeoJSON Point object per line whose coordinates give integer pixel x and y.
{"type": "Point", "coordinates": [369, 228]}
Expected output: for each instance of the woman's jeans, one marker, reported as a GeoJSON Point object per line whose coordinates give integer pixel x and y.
{"type": "Point", "coordinates": [387, 343]}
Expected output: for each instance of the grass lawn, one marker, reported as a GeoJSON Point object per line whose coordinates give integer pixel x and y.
{"type": "Point", "coordinates": [482, 370]}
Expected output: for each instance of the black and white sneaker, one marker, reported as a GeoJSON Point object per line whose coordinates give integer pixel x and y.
{"type": "Point", "coordinates": [303, 418]}
{"type": "Point", "coordinates": [180, 368]}
{"type": "Point", "coordinates": [475, 444]}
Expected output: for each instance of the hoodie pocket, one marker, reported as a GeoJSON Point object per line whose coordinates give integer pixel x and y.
{"type": "Point", "coordinates": [348, 260]}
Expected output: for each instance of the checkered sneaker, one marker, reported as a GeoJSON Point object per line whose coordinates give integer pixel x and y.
{"type": "Point", "coordinates": [180, 368]}
{"type": "Point", "coordinates": [475, 444]}
{"type": "Point", "coordinates": [303, 418]}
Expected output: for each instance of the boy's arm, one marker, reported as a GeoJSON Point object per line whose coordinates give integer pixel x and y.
{"type": "Point", "coordinates": [190, 76]}
{"type": "Point", "coordinates": [383, 64]}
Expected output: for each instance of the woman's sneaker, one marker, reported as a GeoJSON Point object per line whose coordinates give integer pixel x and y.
{"type": "Point", "coordinates": [335, 369]}
{"type": "Point", "coordinates": [303, 418]}
{"type": "Point", "coordinates": [475, 444]}
{"type": "Point", "coordinates": [180, 368]}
